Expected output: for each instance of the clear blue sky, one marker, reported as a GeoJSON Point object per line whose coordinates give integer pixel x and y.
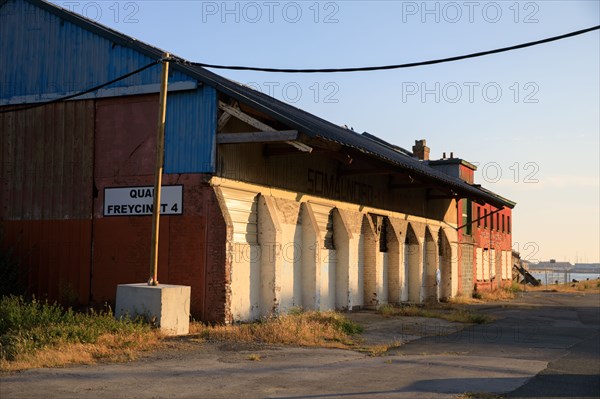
{"type": "Point", "coordinates": [530, 118]}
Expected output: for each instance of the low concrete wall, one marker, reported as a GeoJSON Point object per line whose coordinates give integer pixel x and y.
{"type": "Point", "coordinates": [166, 305]}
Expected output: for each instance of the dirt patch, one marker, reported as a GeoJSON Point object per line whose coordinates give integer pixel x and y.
{"type": "Point", "coordinates": [380, 330]}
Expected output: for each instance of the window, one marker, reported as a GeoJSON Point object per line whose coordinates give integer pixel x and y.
{"type": "Point", "coordinates": [491, 220]}
{"type": "Point", "coordinates": [508, 224]}
{"type": "Point", "coordinates": [467, 216]}
{"type": "Point", "coordinates": [503, 225]}
{"type": "Point", "coordinates": [485, 219]}
{"type": "Point", "coordinates": [478, 216]}
{"type": "Point", "coordinates": [498, 221]}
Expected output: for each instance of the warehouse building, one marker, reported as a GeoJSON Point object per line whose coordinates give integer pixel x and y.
{"type": "Point", "coordinates": [266, 207]}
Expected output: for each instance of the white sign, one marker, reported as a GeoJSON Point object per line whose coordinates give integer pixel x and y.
{"type": "Point", "coordinates": [137, 201]}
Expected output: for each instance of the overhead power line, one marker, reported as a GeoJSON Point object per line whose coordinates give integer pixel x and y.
{"type": "Point", "coordinates": [287, 70]}
{"type": "Point", "coordinates": [398, 66]}
{"type": "Point", "coordinates": [92, 89]}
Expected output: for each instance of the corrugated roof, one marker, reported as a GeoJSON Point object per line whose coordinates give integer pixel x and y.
{"type": "Point", "coordinates": [309, 124]}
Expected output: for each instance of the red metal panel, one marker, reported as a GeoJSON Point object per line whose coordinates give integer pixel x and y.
{"type": "Point", "coordinates": [47, 162]}
{"type": "Point", "coordinates": [55, 254]}
{"type": "Point", "coordinates": [122, 254]}
{"type": "Point", "coordinates": [126, 137]}
{"type": "Point", "coordinates": [46, 202]}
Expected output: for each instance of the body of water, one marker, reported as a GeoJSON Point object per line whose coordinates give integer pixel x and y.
{"type": "Point", "coordinates": [553, 277]}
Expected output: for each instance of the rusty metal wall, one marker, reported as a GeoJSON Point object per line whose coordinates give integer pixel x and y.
{"type": "Point", "coordinates": [47, 158]}
{"type": "Point", "coordinates": [46, 196]}
{"type": "Point", "coordinates": [125, 140]}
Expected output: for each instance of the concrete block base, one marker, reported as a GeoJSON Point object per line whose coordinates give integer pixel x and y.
{"type": "Point", "coordinates": [168, 304]}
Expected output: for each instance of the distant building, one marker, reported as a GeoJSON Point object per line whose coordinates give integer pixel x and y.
{"type": "Point", "coordinates": [552, 264]}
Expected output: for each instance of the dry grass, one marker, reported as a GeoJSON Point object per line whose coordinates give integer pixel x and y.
{"type": "Point", "coordinates": [497, 295]}
{"type": "Point", "coordinates": [318, 329]}
{"type": "Point", "coordinates": [109, 347]}
{"type": "Point", "coordinates": [478, 395]}
{"type": "Point", "coordinates": [509, 292]}
{"type": "Point", "coordinates": [439, 311]}
{"type": "Point", "coordinates": [39, 334]}
{"type": "Point", "coordinates": [591, 286]}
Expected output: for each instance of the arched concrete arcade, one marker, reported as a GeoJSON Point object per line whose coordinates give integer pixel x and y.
{"type": "Point", "coordinates": [327, 255]}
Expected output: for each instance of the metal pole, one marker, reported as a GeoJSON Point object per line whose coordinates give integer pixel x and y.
{"type": "Point", "coordinates": [160, 149]}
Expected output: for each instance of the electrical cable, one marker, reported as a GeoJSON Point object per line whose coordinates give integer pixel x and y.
{"type": "Point", "coordinates": [325, 70]}
{"type": "Point", "coordinates": [70, 96]}
{"type": "Point", "coordinates": [387, 67]}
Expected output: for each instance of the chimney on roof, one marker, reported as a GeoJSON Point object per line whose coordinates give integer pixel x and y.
{"type": "Point", "coordinates": [420, 150]}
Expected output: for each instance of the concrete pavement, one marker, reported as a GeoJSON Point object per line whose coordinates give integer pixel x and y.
{"type": "Point", "coordinates": [540, 342]}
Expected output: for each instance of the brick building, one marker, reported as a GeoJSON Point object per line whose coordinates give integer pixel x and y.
{"type": "Point", "coordinates": [484, 233]}
{"type": "Point", "coordinates": [267, 206]}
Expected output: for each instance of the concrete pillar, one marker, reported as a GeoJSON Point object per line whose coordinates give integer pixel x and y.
{"type": "Point", "coordinates": [454, 265]}
{"type": "Point", "coordinates": [430, 265]}
{"type": "Point", "coordinates": [397, 272]}
{"type": "Point", "coordinates": [413, 256]}
{"type": "Point", "coordinates": [370, 263]}
{"type": "Point", "coordinates": [347, 241]}
{"type": "Point", "coordinates": [445, 265]}
{"type": "Point", "coordinates": [311, 244]}
{"type": "Point", "coordinates": [245, 275]}
{"type": "Point", "coordinates": [271, 259]}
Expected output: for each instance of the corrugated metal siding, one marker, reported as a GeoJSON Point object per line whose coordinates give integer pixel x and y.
{"type": "Point", "coordinates": [54, 255]}
{"type": "Point", "coordinates": [47, 162]}
{"type": "Point", "coordinates": [190, 131]}
{"type": "Point", "coordinates": [46, 196]}
{"type": "Point", "coordinates": [46, 54]}
{"type": "Point", "coordinates": [125, 141]}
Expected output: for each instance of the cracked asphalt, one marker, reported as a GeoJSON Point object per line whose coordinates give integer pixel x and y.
{"type": "Point", "coordinates": [542, 345]}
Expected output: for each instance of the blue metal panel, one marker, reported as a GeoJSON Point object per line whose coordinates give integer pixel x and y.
{"type": "Point", "coordinates": [190, 131]}
{"type": "Point", "coordinates": [43, 53]}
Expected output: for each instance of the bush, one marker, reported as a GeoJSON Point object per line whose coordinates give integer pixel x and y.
{"type": "Point", "coordinates": [12, 275]}
{"type": "Point", "coordinates": [27, 326]}
{"type": "Point", "coordinates": [514, 287]}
